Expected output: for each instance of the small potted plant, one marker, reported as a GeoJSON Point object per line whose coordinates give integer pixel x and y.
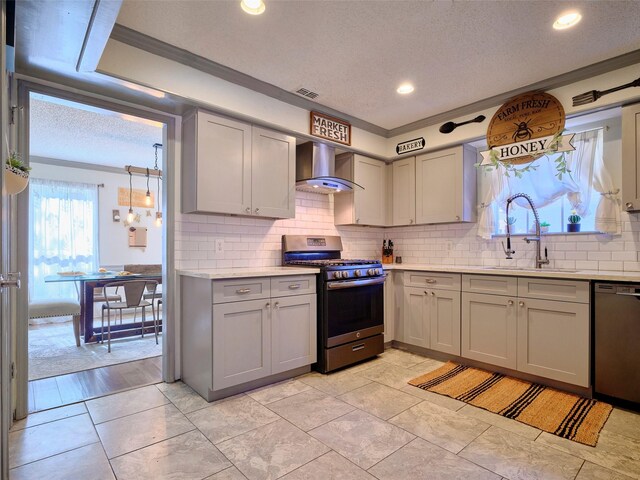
{"type": "Point", "coordinates": [544, 227]}
{"type": "Point", "coordinates": [574, 222]}
{"type": "Point", "coordinates": [16, 174]}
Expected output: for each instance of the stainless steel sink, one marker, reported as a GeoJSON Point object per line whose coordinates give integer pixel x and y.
{"type": "Point", "coordinates": [532, 269]}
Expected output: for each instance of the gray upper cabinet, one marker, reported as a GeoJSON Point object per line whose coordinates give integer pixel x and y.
{"type": "Point", "coordinates": [232, 167]}
{"type": "Point", "coordinates": [366, 206]}
{"type": "Point", "coordinates": [216, 173]}
{"type": "Point", "coordinates": [273, 174]}
{"type": "Point", "coordinates": [446, 186]}
{"type": "Point", "coordinates": [404, 192]}
{"type": "Point", "coordinates": [631, 158]}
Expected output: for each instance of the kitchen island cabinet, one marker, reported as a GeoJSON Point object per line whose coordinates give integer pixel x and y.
{"type": "Point", "coordinates": [235, 168]}
{"type": "Point", "coordinates": [241, 333]}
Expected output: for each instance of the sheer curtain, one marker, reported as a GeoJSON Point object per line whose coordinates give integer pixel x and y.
{"type": "Point", "coordinates": [63, 235]}
{"type": "Point", "coordinates": [588, 173]}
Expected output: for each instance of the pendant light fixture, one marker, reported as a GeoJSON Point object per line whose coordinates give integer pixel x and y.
{"type": "Point", "coordinates": [130, 215]}
{"type": "Point", "coordinates": [147, 197]}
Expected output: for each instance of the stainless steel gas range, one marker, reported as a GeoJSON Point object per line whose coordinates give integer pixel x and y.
{"type": "Point", "coordinates": [350, 300]}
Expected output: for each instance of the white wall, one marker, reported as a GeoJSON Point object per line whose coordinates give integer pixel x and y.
{"type": "Point", "coordinates": [114, 247]}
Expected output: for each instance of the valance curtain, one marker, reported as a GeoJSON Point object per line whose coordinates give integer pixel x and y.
{"type": "Point", "coordinates": [587, 172]}
{"type": "Point", "coordinates": [63, 235]}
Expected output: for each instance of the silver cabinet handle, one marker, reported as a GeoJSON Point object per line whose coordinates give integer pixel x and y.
{"type": "Point", "coordinates": [257, 210]}
{"type": "Point", "coordinates": [433, 294]}
{"type": "Point", "coordinates": [430, 280]}
{"type": "Point", "coordinates": [521, 304]}
{"type": "Point", "coordinates": [295, 286]}
{"type": "Point", "coordinates": [277, 305]}
{"type": "Point", "coordinates": [411, 220]}
{"type": "Point", "coordinates": [458, 217]}
{"type": "Point", "coordinates": [248, 209]}
{"type": "Point", "coordinates": [357, 220]}
{"type": "Point", "coordinates": [510, 303]}
{"type": "Point", "coordinates": [355, 348]}
{"type": "Point", "coordinates": [268, 305]}
{"type": "Point", "coordinates": [242, 291]}
{"type": "Point", "coordinates": [11, 280]}
{"type": "Point", "coordinates": [629, 205]}
{"type": "Point", "coordinates": [426, 293]}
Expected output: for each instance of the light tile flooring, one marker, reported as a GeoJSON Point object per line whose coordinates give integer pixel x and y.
{"type": "Point", "coordinates": [360, 423]}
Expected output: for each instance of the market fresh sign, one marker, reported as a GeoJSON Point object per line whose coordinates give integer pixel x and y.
{"type": "Point", "coordinates": [526, 127]}
{"type": "Point", "coordinates": [410, 145]}
{"type": "Point", "coordinates": [330, 128]}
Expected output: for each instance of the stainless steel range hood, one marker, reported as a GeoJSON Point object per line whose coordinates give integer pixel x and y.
{"type": "Point", "coordinates": [315, 170]}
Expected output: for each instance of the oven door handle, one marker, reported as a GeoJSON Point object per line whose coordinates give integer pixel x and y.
{"type": "Point", "coordinates": [356, 283]}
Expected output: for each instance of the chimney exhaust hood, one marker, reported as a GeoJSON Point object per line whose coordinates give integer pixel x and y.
{"type": "Point", "coordinates": [315, 170]}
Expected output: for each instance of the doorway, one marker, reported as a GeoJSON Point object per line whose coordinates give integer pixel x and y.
{"type": "Point", "coordinates": [90, 219]}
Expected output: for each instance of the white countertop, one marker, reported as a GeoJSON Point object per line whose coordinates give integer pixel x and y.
{"type": "Point", "coordinates": [546, 273]}
{"type": "Point", "coordinates": [224, 273]}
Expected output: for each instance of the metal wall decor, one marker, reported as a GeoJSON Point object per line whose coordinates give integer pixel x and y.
{"type": "Point", "coordinates": [593, 95]}
{"type": "Point", "coordinates": [451, 126]}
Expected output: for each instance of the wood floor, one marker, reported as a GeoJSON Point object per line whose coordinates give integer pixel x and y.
{"type": "Point", "coordinates": [76, 387]}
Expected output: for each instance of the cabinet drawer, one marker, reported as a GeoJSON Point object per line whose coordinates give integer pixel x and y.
{"type": "Point", "coordinates": [298, 285]}
{"type": "Point", "coordinates": [241, 289]}
{"type": "Point", "coordinates": [491, 284]}
{"type": "Point", "coordinates": [549, 289]}
{"type": "Point", "coordinates": [437, 280]}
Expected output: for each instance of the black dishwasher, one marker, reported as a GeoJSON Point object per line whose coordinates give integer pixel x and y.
{"type": "Point", "coordinates": [617, 341]}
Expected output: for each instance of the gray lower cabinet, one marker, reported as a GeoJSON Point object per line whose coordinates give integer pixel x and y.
{"type": "Point", "coordinates": [293, 332]}
{"type": "Point", "coordinates": [241, 342]}
{"type": "Point", "coordinates": [489, 329]}
{"type": "Point", "coordinates": [553, 340]}
{"type": "Point", "coordinates": [241, 333]}
{"type": "Point", "coordinates": [432, 319]}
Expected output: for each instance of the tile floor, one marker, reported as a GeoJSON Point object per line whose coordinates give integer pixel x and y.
{"type": "Point", "coordinates": [361, 423]}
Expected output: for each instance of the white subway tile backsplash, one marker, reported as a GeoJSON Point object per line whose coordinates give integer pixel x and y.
{"type": "Point", "coordinates": [257, 241]}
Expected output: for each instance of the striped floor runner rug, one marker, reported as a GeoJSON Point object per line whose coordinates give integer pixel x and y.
{"type": "Point", "coordinates": [563, 414]}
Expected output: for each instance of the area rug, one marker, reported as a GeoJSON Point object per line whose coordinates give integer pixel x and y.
{"type": "Point", "coordinates": [53, 351]}
{"type": "Point", "coordinates": [563, 414]}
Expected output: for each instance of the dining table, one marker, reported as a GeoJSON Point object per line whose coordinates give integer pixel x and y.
{"type": "Point", "coordinates": [86, 283]}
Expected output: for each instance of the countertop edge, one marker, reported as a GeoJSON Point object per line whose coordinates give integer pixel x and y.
{"type": "Point", "coordinates": [228, 273]}
{"type": "Point", "coordinates": [567, 275]}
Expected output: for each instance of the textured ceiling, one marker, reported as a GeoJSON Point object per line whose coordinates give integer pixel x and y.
{"type": "Point", "coordinates": [74, 132]}
{"type": "Point", "coordinates": [355, 53]}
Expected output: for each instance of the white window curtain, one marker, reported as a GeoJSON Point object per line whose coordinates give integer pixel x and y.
{"type": "Point", "coordinates": [63, 235]}
{"type": "Point", "coordinates": [544, 187]}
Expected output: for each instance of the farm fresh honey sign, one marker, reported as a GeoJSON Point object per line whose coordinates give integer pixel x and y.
{"type": "Point", "coordinates": [525, 128]}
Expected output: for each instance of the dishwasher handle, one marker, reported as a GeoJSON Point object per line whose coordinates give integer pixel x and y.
{"type": "Point", "coordinates": [637, 295]}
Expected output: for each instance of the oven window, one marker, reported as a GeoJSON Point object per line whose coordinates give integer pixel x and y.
{"type": "Point", "coordinates": [352, 309]}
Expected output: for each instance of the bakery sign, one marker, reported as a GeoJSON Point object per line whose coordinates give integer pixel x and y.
{"type": "Point", "coordinates": [410, 146]}
{"type": "Point", "coordinates": [330, 128]}
{"type": "Point", "coordinates": [525, 128]}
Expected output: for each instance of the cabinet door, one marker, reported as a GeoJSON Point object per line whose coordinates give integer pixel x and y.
{"type": "Point", "coordinates": [273, 174]}
{"type": "Point", "coordinates": [293, 332]}
{"type": "Point", "coordinates": [404, 192]}
{"type": "Point", "coordinates": [489, 329]}
{"type": "Point", "coordinates": [223, 167]}
{"type": "Point", "coordinates": [241, 342]}
{"type": "Point", "coordinates": [369, 203]}
{"type": "Point", "coordinates": [416, 317]}
{"type": "Point", "coordinates": [438, 186]}
{"type": "Point", "coordinates": [631, 158]}
{"type": "Point", "coordinates": [445, 321]}
{"type": "Point", "coordinates": [553, 340]}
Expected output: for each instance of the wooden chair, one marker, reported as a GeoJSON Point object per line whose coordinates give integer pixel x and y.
{"type": "Point", "coordinates": [133, 292]}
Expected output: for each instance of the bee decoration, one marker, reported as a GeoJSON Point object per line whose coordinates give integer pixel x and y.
{"type": "Point", "coordinates": [523, 132]}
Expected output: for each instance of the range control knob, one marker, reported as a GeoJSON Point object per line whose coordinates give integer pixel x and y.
{"type": "Point", "coordinates": [337, 274]}
{"type": "Point", "coordinates": [378, 271]}
{"type": "Point", "coordinates": [357, 273]}
{"type": "Point", "coordinates": [345, 274]}
{"type": "Point", "coordinates": [371, 271]}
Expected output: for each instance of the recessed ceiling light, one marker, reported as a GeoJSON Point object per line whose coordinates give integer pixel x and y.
{"type": "Point", "coordinates": [253, 7]}
{"type": "Point", "coordinates": [567, 20]}
{"type": "Point", "coordinates": [405, 88]}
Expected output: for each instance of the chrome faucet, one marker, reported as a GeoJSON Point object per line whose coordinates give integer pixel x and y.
{"type": "Point", "coordinates": [508, 251]}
